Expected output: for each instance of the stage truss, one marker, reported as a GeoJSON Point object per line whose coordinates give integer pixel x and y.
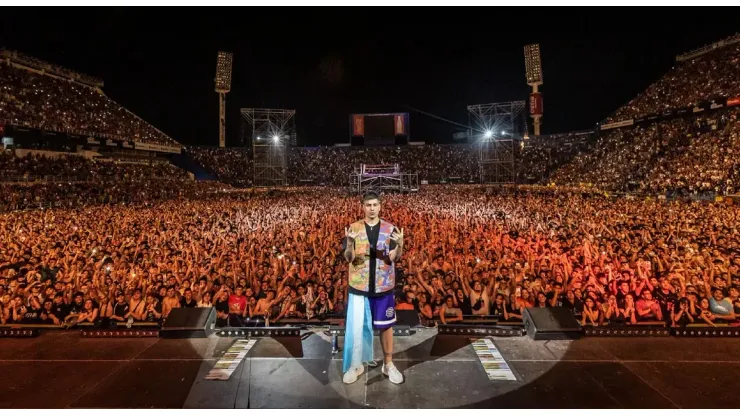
{"type": "Point", "coordinates": [272, 133]}
{"type": "Point", "coordinates": [494, 129]}
{"type": "Point", "coordinates": [382, 178]}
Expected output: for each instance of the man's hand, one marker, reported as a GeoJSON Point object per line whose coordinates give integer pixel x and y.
{"type": "Point", "coordinates": [398, 237]}
{"type": "Point", "coordinates": [348, 232]}
{"type": "Point", "coordinates": [349, 252]}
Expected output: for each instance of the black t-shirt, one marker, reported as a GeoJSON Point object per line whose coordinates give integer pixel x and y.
{"type": "Point", "coordinates": [76, 308]}
{"type": "Point", "coordinates": [121, 309]}
{"type": "Point", "coordinates": [512, 308]}
{"type": "Point", "coordinates": [576, 306]}
{"type": "Point", "coordinates": [373, 233]}
{"type": "Point", "coordinates": [620, 298]}
{"type": "Point", "coordinates": [301, 306]}
{"type": "Point", "coordinates": [150, 317]}
{"type": "Point", "coordinates": [60, 311]}
{"type": "Point", "coordinates": [186, 304]}
{"type": "Point", "coordinates": [48, 320]}
{"type": "Point", "coordinates": [684, 319]}
{"type": "Point", "coordinates": [496, 309]}
{"type": "Point", "coordinates": [223, 307]}
{"type": "Point", "coordinates": [465, 306]}
{"type": "Point", "coordinates": [664, 299]}
{"type": "Point", "coordinates": [551, 295]}
{"type": "Point", "coordinates": [32, 316]}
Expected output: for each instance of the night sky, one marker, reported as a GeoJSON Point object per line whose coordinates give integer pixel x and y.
{"type": "Point", "coordinates": [327, 63]}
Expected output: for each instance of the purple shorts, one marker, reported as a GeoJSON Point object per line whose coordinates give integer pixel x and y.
{"type": "Point", "coordinates": [383, 311]}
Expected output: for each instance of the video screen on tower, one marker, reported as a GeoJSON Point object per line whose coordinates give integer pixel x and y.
{"type": "Point", "coordinates": [379, 129]}
{"type": "Point", "coordinates": [380, 126]}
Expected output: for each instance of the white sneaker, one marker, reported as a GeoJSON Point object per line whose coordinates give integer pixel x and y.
{"type": "Point", "coordinates": [352, 374]}
{"type": "Point", "coordinates": [392, 373]}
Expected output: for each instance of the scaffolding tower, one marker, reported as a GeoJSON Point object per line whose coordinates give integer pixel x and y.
{"type": "Point", "coordinates": [272, 134]}
{"type": "Point", "coordinates": [494, 128]}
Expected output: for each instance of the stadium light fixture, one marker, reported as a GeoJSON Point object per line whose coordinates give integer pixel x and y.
{"type": "Point", "coordinates": [533, 64]}
{"type": "Point", "coordinates": [224, 62]}
{"type": "Point", "coordinates": [488, 134]}
{"type": "Point", "coordinates": [276, 138]}
{"type": "Point", "coordinates": [533, 73]}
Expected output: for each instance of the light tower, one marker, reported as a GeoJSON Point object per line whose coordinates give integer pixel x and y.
{"type": "Point", "coordinates": [533, 68]}
{"type": "Point", "coordinates": [224, 61]}
{"type": "Point", "coordinates": [272, 133]}
{"type": "Point", "coordinates": [494, 128]}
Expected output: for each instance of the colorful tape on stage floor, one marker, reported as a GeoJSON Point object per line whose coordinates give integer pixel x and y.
{"type": "Point", "coordinates": [231, 359]}
{"type": "Point", "coordinates": [493, 363]}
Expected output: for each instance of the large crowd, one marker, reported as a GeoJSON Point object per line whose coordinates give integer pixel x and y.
{"type": "Point", "coordinates": [690, 156]}
{"type": "Point", "coordinates": [703, 78]}
{"type": "Point", "coordinates": [539, 156]}
{"type": "Point", "coordinates": [120, 246]}
{"type": "Point", "coordinates": [684, 156]}
{"type": "Point", "coordinates": [469, 251]}
{"type": "Point", "coordinates": [39, 181]}
{"type": "Point", "coordinates": [53, 103]}
{"type": "Point", "coordinates": [232, 165]}
{"type": "Point", "coordinates": [72, 165]}
{"type": "Point", "coordinates": [332, 166]}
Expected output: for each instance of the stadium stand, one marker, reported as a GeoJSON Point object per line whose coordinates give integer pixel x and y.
{"type": "Point", "coordinates": [35, 94]}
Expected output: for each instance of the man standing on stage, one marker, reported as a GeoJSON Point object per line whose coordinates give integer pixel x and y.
{"type": "Point", "coordinates": [371, 247]}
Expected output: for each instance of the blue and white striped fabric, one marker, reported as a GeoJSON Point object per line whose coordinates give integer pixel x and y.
{"type": "Point", "coordinates": [358, 334]}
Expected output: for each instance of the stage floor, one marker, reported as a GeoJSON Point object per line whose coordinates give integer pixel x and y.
{"type": "Point", "coordinates": [63, 370]}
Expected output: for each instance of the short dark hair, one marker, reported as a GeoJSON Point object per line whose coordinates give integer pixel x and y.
{"type": "Point", "coordinates": [370, 195]}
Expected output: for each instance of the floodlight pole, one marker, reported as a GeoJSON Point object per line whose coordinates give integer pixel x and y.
{"type": "Point", "coordinates": [533, 72]}
{"type": "Point", "coordinates": [222, 119]}
{"type": "Point", "coordinates": [224, 63]}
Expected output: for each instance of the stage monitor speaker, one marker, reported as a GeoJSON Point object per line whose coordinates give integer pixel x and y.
{"type": "Point", "coordinates": [189, 323]}
{"type": "Point", "coordinates": [551, 324]}
{"type": "Point", "coordinates": [408, 318]}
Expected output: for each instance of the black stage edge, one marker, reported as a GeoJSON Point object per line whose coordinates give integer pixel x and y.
{"type": "Point", "coordinates": [63, 369]}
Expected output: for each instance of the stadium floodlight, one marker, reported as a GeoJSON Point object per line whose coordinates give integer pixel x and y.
{"type": "Point", "coordinates": [224, 62]}
{"type": "Point", "coordinates": [488, 134]}
{"type": "Point", "coordinates": [533, 73]}
{"type": "Point", "coordinates": [271, 132]}
{"type": "Point", "coordinates": [533, 64]}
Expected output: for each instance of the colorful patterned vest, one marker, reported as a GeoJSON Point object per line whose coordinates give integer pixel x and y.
{"type": "Point", "coordinates": [385, 269]}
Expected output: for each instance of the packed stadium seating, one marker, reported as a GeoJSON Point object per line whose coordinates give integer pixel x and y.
{"type": "Point", "coordinates": [693, 154]}
{"type": "Point", "coordinates": [703, 78]}
{"type": "Point", "coordinates": [49, 102]}
{"type": "Point", "coordinates": [231, 165]}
